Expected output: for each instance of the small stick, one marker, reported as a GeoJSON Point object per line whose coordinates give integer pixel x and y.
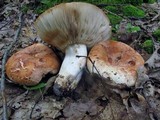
{"type": "Point", "coordinates": [7, 51]}
{"type": "Point", "coordinates": [6, 24]}
{"type": "Point", "coordinates": [103, 79]}
{"type": "Point", "coordinates": [92, 64]}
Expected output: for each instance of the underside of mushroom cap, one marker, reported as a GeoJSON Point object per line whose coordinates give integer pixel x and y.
{"type": "Point", "coordinates": [29, 65]}
{"type": "Point", "coordinates": [115, 60]}
{"type": "Point", "coordinates": [73, 23]}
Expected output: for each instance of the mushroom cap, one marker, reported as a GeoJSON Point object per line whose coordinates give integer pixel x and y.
{"type": "Point", "coordinates": [73, 23]}
{"type": "Point", "coordinates": [29, 65]}
{"type": "Point", "coordinates": [115, 60]}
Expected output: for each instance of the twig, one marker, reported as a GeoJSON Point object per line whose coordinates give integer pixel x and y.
{"type": "Point", "coordinates": [136, 40]}
{"type": "Point", "coordinates": [155, 17]}
{"type": "Point", "coordinates": [120, 87]}
{"type": "Point", "coordinates": [7, 51]}
{"type": "Point", "coordinates": [93, 67]}
{"type": "Point", "coordinates": [118, 15]}
{"type": "Point", "coordinates": [6, 24]}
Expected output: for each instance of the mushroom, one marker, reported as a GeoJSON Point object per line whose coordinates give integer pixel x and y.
{"type": "Point", "coordinates": [29, 65]}
{"type": "Point", "coordinates": [72, 28]}
{"type": "Point", "coordinates": [115, 60]}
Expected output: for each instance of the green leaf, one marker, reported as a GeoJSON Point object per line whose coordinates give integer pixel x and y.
{"type": "Point", "coordinates": [37, 87]}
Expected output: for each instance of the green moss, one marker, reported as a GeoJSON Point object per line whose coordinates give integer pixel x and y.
{"type": "Point", "coordinates": [135, 2]}
{"type": "Point", "coordinates": [157, 33]}
{"type": "Point", "coordinates": [45, 4]}
{"type": "Point", "coordinates": [151, 1]}
{"type": "Point", "coordinates": [132, 29]}
{"type": "Point", "coordinates": [113, 1]}
{"type": "Point", "coordinates": [148, 46]}
{"type": "Point", "coordinates": [113, 9]}
{"type": "Point", "coordinates": [114, 19]}
{"type": "Point", "coordinates": [114, 38]}
{"type": "Point", "coordinates": [132, 11]}
{"type": "Point", "coordinates": [25, 8]}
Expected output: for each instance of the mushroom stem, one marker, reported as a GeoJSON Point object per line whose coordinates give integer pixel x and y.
{"type": "Point", "coordinates": [71, 69]}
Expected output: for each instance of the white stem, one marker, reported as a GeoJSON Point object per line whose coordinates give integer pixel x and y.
{"type": "Point", "coordinates": [72, 67]}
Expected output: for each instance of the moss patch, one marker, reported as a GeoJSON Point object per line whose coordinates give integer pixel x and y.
{"type": "Point", "coordinates": [113, 9]}
{"type": "Point", "coordinates": [132, 11]}
{"type": "Point", "coordinates": [135, 2]}
{"type": "Point", "coordinates": [148, 46]}
{"type": "Point", "coordinates": [112, 1]}
{"type": "Point", "coordinates": [157, 33]}
{"type": "Point", "coordinates": [151, 1]}
{"type": "Point", "coordinates": [25, 8]}
{"type": "Point", "coordinates": [114, 19]}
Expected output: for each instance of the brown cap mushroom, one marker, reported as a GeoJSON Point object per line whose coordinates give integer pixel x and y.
{"type": "Point", "coordinates": [29, 65]}
{"type": "Point", "coordinates": [72, 27]}
{"type": "Point", "coordinates": [115, 60]}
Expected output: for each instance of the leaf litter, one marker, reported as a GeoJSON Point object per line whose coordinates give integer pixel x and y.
{"type": "Point", "coordinates": [93, 98]}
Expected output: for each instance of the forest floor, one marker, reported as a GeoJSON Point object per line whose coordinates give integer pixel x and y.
{"type": "Point", "coordinates": [90, 100]}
